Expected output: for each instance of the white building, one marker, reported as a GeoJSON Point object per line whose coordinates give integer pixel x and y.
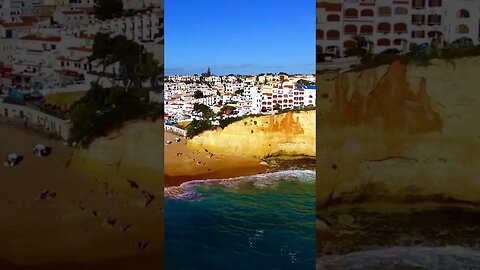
{"type": "Point", "coordinates": [394, 24]}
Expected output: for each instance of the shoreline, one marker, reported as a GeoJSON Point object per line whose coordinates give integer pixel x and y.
{"type": "Point", "coordinates": [184, 164]}
{"type": "Point", "coordinates": [193, 164]}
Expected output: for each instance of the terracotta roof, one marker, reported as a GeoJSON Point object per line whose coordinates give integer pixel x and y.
{"type": "Point", "coordinates": [16, 24]}
{"type": "Point", "coordinates": [82, 49]}
{"type": "Point", "coordinates": [29, 19]}
{"type": "Point", "coordinates": [40, 38]}
{"type": "Point", "coordinates": [86, 36]}
{"type": "Point", "coordinates": [330, 6]}
{"type": "Point", "coordinates": [66, 71]}
{"type": "Point", "coordinates": [70, 59]}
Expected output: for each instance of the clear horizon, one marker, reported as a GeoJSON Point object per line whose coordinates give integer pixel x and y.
{"type": "Point", "coordinates": [239, 37]}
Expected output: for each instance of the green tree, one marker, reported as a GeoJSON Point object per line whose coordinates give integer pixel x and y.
{"type": "Point", "coordinates": [134, 66]}
{"type": "Point", "coordinates": [305, 82]}
{"type": "Point", "coordinates": [198, 94]}
{"type": "Point", "coordinates": [203, 109]}
{"type": "Point", "coordinates": [361, 43]}
{"type": "Point", "coordinates": [227, 109]}
{"type": "Point", "coordinates": [154, 71]}
{"type": "Point", "coordinates": [239, 92]}
{"type": "Point", "coordinates": [197, 126]}
{"type": "Point", "coordinates": [108, 9]}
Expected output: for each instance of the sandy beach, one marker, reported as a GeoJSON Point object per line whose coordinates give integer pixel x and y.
{"type": "Point", "coordinates": [183, 164]}
{"type": "Point", "coordinates": [82, 221]}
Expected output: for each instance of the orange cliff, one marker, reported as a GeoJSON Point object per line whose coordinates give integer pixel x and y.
{"type": "Point", "coordinates": [290, 134]}
{"type": "Point", "coordinates": [400, 133]}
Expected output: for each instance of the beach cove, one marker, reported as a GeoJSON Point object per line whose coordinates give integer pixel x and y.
{"type": "Point", "coordinates": [80, 214]}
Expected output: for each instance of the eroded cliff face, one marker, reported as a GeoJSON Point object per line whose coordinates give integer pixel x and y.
{"type": "Point", "coordinates": [400, 133]}
{"type": "Point", "coordinates": [134, 152]}
{"type": "Point", "coordinates": [290, 134]}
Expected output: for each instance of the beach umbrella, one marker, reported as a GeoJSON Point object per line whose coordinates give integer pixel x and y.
{"type": "Point", "coordinates": [40, 147]}
{"type": "Point", "coordinates": [12, 156]}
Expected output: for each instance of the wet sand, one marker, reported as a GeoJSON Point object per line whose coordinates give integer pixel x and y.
{"type": "Point", "coordinates": [183, 164]}
{"type": "Point", "coordinates": [83, 220]}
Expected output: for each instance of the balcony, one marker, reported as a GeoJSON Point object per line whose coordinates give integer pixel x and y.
{"type": "Point", "coordinates": [418, 19]}
{"type": "Point", "coordinates": [434, 19]}
{"type": "Point", "coordinates": [418, 4]}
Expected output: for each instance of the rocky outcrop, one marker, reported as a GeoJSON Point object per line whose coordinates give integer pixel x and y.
{"type": "Point", "coordinates": [400, 133]}
{"type": "Point", "coordinates": [289, 134]}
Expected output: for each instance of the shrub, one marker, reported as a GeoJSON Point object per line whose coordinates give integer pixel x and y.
{"type": "Point", "coordinates": [197, 126]}
{"type": "Point", "coordinates": [104, 109]}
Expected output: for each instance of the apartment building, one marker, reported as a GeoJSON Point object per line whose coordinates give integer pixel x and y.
{"type": "Point", "coordinates": [394, 24]}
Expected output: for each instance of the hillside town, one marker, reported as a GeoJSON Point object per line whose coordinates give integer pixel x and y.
{"type": "Point", "coordinates": [45, 47]}
{"type": "Point", "coordinates": [233, 96]}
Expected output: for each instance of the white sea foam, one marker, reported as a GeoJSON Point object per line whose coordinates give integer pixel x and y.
{"type": "Point", "coordinates": [186, 191]}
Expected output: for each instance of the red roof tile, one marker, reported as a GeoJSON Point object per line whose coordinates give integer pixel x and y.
{"type": "Point", "coordinates": [16, 24]}
{"type": "Point", "coordinates": [39, 38]}
{"type": "Point", "coordinates": [82, 49]}
{"type": "Point", "coordinates": [330, 6]}
{"type": "Point", "coordinates": [70, 59]}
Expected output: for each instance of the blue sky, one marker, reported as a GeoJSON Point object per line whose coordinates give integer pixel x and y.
{"type": "Point", "coordinates": [240, 37]}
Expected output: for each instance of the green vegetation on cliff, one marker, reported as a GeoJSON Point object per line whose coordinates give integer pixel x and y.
{"type": "Point", "coordinates": [104, 109]}
{"type": "Point", "coordinates": [420, 57]}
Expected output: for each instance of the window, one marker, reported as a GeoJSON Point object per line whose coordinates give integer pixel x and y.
{"type": "Point", "coordinates": [333, 35]}
{"type": "Point", "coordinates": [463, 14]}
{"type": "Point", "coordinates": [384, 27]}
{"type": "Point", "coordinates": [62, 64]}
{"type": "Point", "coordinates": [350, 29]}
{"type": "Point", "coordinates": [434, 34]}
{"type": "Point", "coordinates": [333, 18]}
{"type": "Point", "coordinates": [366, 13]}
{"type": "Point", "coordinates": [435, 3]}
{"type": "Point", "coordinates": [383, 42]}
{"type": "Point", "coordinates": [400, 28]}
{"type": "Point", "coordinates": [351, 13]}
{"type": "Point", "coordinates": [418, 4]}
{"type": "Point", "coordinates": [418, 19]}
{"type": "Point", "coordinates": [462, 29]}
{"type": "Point", "coordinates": [320, 34]}
{"type": "Point", "coordinates": [401, 11]}
{"type": "Point", "coordinates": [349, 44]}
{"type": "Point", "coordinates": [434, 19]}
{"type": "Point", "coordinates": [384, 11]}
{"type": "Point", "coordinates": [418, 34]}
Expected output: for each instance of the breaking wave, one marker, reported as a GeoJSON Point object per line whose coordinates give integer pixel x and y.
{"type": "Point", "coordinates": [187, 190]}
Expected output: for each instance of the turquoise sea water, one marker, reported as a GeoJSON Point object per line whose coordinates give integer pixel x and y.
{"type": "Point", "coordinates": [261, 222]}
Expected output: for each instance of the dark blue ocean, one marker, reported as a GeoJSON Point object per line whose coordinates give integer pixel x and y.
{"type": "Point", "coordinates": [259, 222]}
